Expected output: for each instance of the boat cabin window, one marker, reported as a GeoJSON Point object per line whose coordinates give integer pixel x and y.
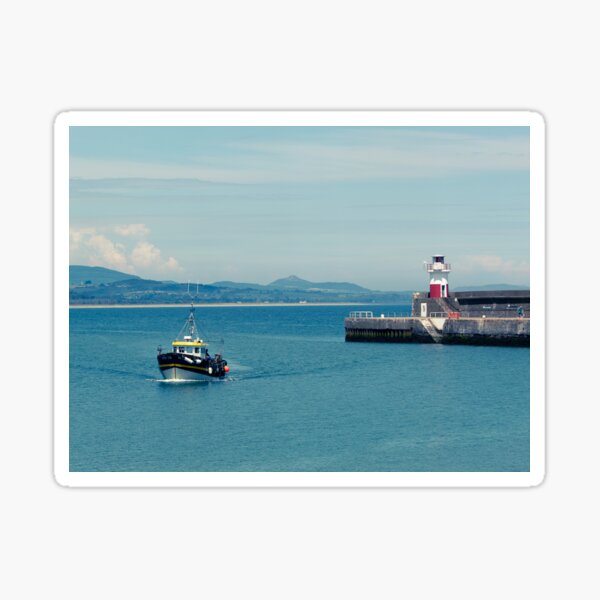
{"type": "Point", "coordinates": [197, 350]}
{"type": "Point", "coordinates": [181, 349]}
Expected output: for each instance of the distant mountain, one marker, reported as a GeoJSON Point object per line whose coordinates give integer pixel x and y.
{"type": "Point", "coordinates": [296, 283]}
{"type": "Point", "coordinates": [490, 287]}
{"type": "Point", "coordinates": [82, 275]}
{"type": "Point", "coordinates": [95, 285]}
{"type": "Point", "coordinates": [238, 286]}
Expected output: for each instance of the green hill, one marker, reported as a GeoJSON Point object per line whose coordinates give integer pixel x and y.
{"type": "Point", "coordinates": [82, 275]}
{"type": "Point", "coordinates": [296, 283]}
{"type": "Point", "coordinates": [97, 285]}
{"type": "Point", "coordinates": [237, 285]}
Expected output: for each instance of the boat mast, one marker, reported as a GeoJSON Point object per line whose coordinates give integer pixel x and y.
{"type": "Point", "coordinates": [189, 328]}
{"type": "Point", "coordinates": [192, 322]}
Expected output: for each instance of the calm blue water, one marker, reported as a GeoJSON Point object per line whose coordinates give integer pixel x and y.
{"type": "Point", "coordinates": [298, 398]}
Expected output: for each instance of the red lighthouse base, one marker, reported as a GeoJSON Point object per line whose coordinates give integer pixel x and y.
{"type": "Point", "coordinates": [438, 290]}
{"type": "Point", "coordinates": [435, 290]}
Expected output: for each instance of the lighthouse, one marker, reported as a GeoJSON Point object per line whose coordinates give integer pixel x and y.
{"type": "Point", "coordinates": [438, 277]}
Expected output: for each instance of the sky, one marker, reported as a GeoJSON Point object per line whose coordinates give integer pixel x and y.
{"type": "Point", "coordinates": [366, 205]}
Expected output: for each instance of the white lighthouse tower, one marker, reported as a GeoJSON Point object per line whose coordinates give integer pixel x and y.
{"type": "Point", "coordinates": [438, 272]}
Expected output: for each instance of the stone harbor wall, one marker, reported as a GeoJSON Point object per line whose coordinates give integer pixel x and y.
{"type": "Point", "coordinates": [476, 331]}
{"type": "Point", "coordinates": [487, 331]}
{"type": "Point", "coordinates": [387, 329]}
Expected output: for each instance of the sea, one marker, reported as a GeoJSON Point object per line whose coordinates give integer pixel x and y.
{"type": "Point", "coordinates": [298, 397]}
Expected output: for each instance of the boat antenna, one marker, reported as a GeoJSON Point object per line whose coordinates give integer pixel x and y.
{"type": "Point", "coordinates": [192, 321]}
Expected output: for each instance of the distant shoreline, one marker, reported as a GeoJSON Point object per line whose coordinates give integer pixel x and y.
{"type": "Point", "coordinates": [224, 304]}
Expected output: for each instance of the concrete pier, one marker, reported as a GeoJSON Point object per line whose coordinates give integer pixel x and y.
{"type": "Point", "coordinates": [486, 331]}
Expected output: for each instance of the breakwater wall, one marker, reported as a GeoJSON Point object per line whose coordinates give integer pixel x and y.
{"type": "Point", "coordinates": [477, 331]}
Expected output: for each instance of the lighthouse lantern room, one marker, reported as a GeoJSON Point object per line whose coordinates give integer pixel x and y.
{"type": "Point", "coordinates": [438, 272]}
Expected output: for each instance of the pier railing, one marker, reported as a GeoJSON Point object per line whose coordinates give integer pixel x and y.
{"type": "Point", "coordinates": [367, 314]}
{"type": "Point", "coordinates": [494, 314]}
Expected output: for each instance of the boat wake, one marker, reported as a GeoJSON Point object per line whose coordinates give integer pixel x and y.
{"type": "Point", "coordinates": [188, 381]}
{"type": "Point", "coordinates": [110, 371]}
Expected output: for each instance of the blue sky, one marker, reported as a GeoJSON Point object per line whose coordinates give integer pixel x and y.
{"type": "Point", "coordinates": [360, 204]}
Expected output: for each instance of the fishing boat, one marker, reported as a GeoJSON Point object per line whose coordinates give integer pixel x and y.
{"type": "Point", "coordinates": [189, 357]}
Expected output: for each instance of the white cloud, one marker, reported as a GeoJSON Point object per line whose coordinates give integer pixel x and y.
{"type": "Point", "coordinates": [146, 256]}
{"type": "Point", "coordinates": [106, 253]}
{"type": "Point", "coordinates": [132, 230]}
{"type": "Point", "coordinates": [91, 246]}
{"type": "Point", "coordinates": [77, 236]}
